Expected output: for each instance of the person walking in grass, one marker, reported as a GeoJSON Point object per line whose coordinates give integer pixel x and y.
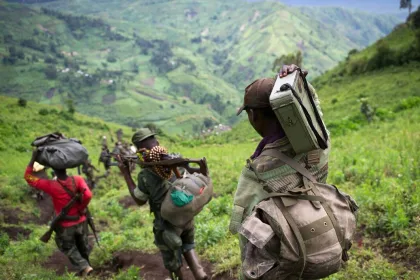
{"type": "Point", "coordinates": [105, 158]}
{"type": "Point", "coordinates": [153, 188]}
{"type": "Point", "coordinates": [87, 168]}
{"type": "Point", "coordinates": [71, 236]}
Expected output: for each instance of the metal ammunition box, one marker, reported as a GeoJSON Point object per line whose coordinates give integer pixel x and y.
{"type": "Point", "coordinates": [291, 115]}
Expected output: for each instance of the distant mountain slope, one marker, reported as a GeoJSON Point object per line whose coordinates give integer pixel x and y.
{"type": "Point", "coordinates": [180, 65]}
{"type": "Point", "coordinates": [372, 6]}
{"type": "Point", "coordinates": [243, 37]}
{"type": "Point", "coordinates": [387, 74]}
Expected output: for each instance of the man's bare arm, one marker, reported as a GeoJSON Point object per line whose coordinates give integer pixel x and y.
{"type": "Point", "coordinates": [128, 179]}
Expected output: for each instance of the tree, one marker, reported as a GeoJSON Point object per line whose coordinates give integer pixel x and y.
{"type": "Point", "coordinates": [404, 4]}
{"type": "Point", "coordinates": [415, 19]}
{"type": "Point", "coordinates": [208, 123]}
{"type": "Point", "coordinates": [70, 106]}
{"type": "Point", "coordinates": [22, 102]}
{"type": "Point", "coordinates": [135, 67]}
{"type": "Point", "coordinates": [50, 72]}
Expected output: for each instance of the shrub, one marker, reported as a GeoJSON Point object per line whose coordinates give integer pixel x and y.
{"type": "Point", "coordinates": [70, 106]}
{"type": "Point", "coordinates": [132, 273]}
{"type": "Point", "coordinates": [50, 60]}
{"type": "Point", "coordinates": [383, 57]}
{"type": "Point", "coordinates": [43, 112]}
{"type": "Point", "coordinates": [8, 38]}
{"type": "Point", "coordinates": [22, 102]}
{"type": "Point", "coordinates": [384, 114]}
{"type": "Point", "coordinates": [111, 59]}
{"type": "Point", "coordinates": [408, 103]}
{"type": "Point", "coordinates": [351, 52]}
{"type": "Point", "coordinates": [50, 72]}
{"type": "Point", "coordinates": [415, 19]}
{"type": "Point", "coordinates": [4, 242]}
{"type": "Point", "coordinates": [357, 66]}
{"type": "Point", "coordinates": [13, 194]}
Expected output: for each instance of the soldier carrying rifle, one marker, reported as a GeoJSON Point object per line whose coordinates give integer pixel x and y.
{"type": "Point", "coordinates": [153, 185]}
{"type": "Point", "coordinates": [87, 168]}
{"type": "Point", "coordinates": [70, 196]}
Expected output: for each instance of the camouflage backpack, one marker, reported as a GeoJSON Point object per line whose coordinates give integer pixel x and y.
{"type": "Point", "coordinates": [303, 233]}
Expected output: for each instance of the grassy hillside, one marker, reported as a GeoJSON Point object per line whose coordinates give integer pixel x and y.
{"type": "Point", "coordinates": [181, 66]}
{"type": "Point", "coordinates": [377, 164]}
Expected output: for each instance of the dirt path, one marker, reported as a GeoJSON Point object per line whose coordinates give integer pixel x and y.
{"type": "Point", "coordinates": [46, 207]}
{"type": "Point", "coordinates": [13, 218]}
{"type": "Point", "coordinates": [151, 266]}
{"type": "Point", "coordinates": [15, 232]}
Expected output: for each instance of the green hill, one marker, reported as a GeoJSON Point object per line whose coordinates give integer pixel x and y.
{"type": "Point", "coordinates": [179, 65]}
{"type": "Point", "coordinates": [376, 163]}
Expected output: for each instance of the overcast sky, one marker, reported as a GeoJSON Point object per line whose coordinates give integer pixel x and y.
{"type": "Point", "coordinates": [380, 6]}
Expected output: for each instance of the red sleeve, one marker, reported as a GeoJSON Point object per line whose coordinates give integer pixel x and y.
{"type": "Point", "coordinates": [36, 182]}
{"type": "Point", "coordinates": [87, 194]}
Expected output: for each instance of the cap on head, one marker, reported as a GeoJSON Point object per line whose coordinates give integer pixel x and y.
{"type": "Point", "coordinates": [141, 134]}
{"type": "Point", "coordinates": [257, 94]}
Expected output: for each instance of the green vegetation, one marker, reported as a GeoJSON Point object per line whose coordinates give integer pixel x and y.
{"type": "Point", "coordinates": [377, 163]}
{"type": "Point", "coordinates": [113, 57]}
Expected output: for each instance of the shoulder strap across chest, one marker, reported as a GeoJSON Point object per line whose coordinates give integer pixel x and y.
{"type": "Point", "coordinates": [290, 162]}
{"type": "Point", "coordinates": [72, 193]}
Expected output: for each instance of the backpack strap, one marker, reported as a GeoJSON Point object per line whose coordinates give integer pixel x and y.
{"type": "Point", "coordinates": [297, 196]}
{"type": "Point", "coordinates": [297, 233]}
{"type": "Point", "coordinates": [334, 222]}
{"type": "Point", "coordinates": [69, 192]}
{"type": "Point", "coordinates": [305, 173]}
{"type": "Point", "coordinates": [291, 162]}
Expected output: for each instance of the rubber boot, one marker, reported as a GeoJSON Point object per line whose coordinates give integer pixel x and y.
{"type": "Point", "coordinates": [192, 260]}
{"type": "Point", "coordinates": [87, 271]}
{"type": "Point", "coordinates": [176, 275]}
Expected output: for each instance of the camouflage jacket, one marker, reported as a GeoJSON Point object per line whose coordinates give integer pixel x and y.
{"type": "Point", "coordinates": [152, 188]}
{"type": "Point", "coordinates": [267, 174]}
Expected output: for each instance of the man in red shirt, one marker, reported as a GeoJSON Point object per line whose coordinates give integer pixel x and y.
{"type": "Point", "coordinates": [71, 234]}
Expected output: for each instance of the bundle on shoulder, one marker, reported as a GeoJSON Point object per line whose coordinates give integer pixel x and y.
{"type": "Point", "coordinates": [59, 152]}
{"type": "Point", "coordinates": [186, 198]}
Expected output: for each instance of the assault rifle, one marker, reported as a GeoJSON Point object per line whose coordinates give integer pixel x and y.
{"type": "Point", "coordinates": [171, 162]}
{"type": "Point", "coordinates": [174, 163]}
{"type": "Point", "coordinates": [91, 224]}
{"type": "Point", "coordinates": [46, 237]}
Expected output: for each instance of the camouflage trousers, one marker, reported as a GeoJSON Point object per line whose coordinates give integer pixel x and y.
{"type": "Point", "coordinates": [173, 242]}
{"type": "Point", "coordinates": [73, 242]}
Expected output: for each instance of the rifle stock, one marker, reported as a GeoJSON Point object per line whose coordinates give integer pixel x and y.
{"type": "Point", "coordinates": [46, 236]}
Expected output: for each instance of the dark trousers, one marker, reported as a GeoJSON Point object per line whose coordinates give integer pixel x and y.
{"type": "Point", "coordinates": [73, 242]}
{"type": "Point", "coordinates": [172, 256]}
